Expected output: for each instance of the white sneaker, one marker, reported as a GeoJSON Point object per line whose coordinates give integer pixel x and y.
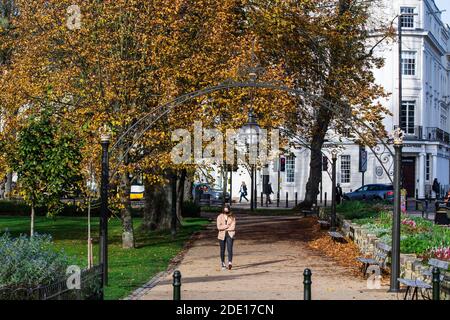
{"type": "Point", "coordinates": [223, 266]}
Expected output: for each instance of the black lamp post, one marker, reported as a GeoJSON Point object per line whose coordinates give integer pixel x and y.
{"type": "Point", "coordinates": [250, 131]}
{"type": "Point", "coordinates": [105, 139]}
{"type": "Point", "coordinates": [395, 265]}
{"type": "Point", "coordinates": [333, 190]}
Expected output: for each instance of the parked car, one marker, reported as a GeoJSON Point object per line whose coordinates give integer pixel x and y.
{"type": "Point", "coordinates": [372, 192]}
{"type": "Point", "coordinates": [216, 194]}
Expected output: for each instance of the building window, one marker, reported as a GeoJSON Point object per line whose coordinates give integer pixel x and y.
{"type": "Point", "coordinates": [407, 18]}
{"type": "Point", "coordinates": [408, 63]}
{"type": "Point", "coordinates": [345, 169]}
{"type": "Point", "coordinates": [444, 112]}
{"type": "Point", "coordinates": [427, 168]}
{"type": "Point", "coordinates": [290, 169]}
{"type": "Point", "coordinates": [407, 117]}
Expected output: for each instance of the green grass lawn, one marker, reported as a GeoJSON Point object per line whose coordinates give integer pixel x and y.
{"type": "Point", "coordinates": [128, 269]}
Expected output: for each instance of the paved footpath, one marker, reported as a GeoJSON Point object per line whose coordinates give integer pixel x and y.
{"type": "Point", "coordinates": [270, 256]}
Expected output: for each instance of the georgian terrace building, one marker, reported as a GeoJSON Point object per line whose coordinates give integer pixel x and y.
{"type": "Point", "coordinates": [424, 114]}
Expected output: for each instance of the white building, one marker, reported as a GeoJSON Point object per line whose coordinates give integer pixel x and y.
{"type": "Point", "coordinates": [424, 112]}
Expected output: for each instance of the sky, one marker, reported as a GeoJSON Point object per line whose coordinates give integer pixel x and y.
{"type": "Point", "coordinates": [444, 5]}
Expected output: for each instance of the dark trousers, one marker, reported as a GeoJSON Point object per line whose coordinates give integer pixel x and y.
{"type": "Point", "coordinates": [243, 196]}
{"type": "Point", "coordinates": [228, 243]}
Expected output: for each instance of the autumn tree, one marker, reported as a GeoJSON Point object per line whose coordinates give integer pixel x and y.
{"type": "Point", "coordinates": [322, 46]}
{"type": "Point", "coordinates": [105, 68]}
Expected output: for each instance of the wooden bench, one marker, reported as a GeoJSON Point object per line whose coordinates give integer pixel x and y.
{"type": "Point", "coordinates": [336, 236]}
{"type": "Point", "coordinates": [382, 252]}
{"type": "Point", "coordinates": [324, 224]}
{"type": "Point", "coordinates": [425, 284]}
{"type": "Point", "coordinates": [314, 211]}
{"type": "Point", "coordinates": [307, 212]}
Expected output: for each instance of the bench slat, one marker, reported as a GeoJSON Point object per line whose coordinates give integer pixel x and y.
{"type": "Point", "coordinates": [438, 263]}
{"type": "Point", "coordinates": [414, 283]}
{"type": "Point", "coordinates": [367, 260]}
{"type": "Point", "coordinates": [336, 235]}
{"type": "Point", "coordinates": [384, 247]}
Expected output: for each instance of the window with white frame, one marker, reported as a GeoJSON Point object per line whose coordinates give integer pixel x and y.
{"type": "Point", "coordinates": [444, 117]}
{"type": "Point", "coordinates": [345, 169]}
{"type": "Point", "coordinates": [427, 168]}
{"type": "Point", "coordinates": [407, 116]}
{"type": "Point", "coordinates": [290, 169]}
{"type": "Point", "coordinates": [444, 122]}
{"type": "Point", "coordinates": [408, 63]}
{"type": "Point", "coordinates": [407, 18]}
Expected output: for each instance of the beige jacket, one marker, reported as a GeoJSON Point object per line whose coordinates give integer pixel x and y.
{"type": "Point", "coordinates": [224, 224]}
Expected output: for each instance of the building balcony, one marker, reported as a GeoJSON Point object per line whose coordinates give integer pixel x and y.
{"type": "Point", "coordinates": [413, 133]}
{"type": "Point", "coordinates": [436, 134]}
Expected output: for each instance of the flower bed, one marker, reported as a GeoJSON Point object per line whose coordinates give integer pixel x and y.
{"type": "Point", "coordinates": [419, 236]}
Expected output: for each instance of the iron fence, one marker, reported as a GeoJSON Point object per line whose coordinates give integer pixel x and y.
{"type": "Point", "coordinates": [90, 289]}
{"type": "Point", "coordinates": [436, 134]}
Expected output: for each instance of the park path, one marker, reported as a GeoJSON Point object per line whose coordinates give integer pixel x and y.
{"type": "Point", "coordinates": [270, 256]}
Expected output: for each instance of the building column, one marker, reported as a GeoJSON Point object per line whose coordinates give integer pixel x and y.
{"type": "Point", "coordinates": [421, 186]}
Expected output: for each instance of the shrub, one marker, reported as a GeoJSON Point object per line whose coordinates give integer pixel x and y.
{"type": "Point", "coordinates": [351, 210]}
{"type": "Point", "coordinates": [13, 207]}
{"type": "Point", "coordinates": [190, 209]}
{"type": "Point", "coordinates": [30, 262]}
{"type": "Point", "coordinates": [20, 208]}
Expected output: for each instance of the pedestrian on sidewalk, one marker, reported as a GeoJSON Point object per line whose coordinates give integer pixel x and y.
{"type": "Point", "coordinates": [339, 194]}
{"type": "Point", "coordinates": [243, 192]}
{"type": "Point", "coordinates": [226, 224]}
{"type": "Point", "coordinates": [269, 191]}
{"type": "Point", "coordinates": [436, 188]}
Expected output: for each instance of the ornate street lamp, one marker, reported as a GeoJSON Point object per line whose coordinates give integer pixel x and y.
{"type": "Point", "coordinates": [250, 132]}
{"type": "Point", "coordinates": [398, 135]}
{"type": "Point", "coordinates": [105, 137]}
{"type": "Point", "coordinates": [333, 190]}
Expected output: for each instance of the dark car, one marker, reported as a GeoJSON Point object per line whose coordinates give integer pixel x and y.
{"type": "Point", "coordinates": [372, 192]}
{"type": "Point", "coordinates": [204, 189]}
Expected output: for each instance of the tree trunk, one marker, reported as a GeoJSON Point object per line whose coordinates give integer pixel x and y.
{"type": "Point", "coordinates": [157, 210]}
{"type": "Point", "coordinates": [224, 183]}
{"type": "Point", "coordinates": [180, 194]}
{"type": "Point", "coordinates": [188, 187]}
{"type": "Point", "coordinates": [125, 213]}
{"type": "Point", "coordinates": [8, 185]}
{"type": "Point", "coordinates": [32, 221]}
{"type": "Point", "coordinates": [323, 120]}
{"type": "Point", "coordinates": [315, 165]}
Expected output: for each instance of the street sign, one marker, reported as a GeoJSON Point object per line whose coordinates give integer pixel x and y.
{"type": "Point", "coordinates": [362, 159]}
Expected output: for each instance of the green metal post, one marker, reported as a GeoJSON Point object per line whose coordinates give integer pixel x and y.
{"type": "Point", "coordinates": [436, 284]}
{"type": "Point", "coordinates": [177, 285]}
{"type": "Point", "coordinates": [307, 284]}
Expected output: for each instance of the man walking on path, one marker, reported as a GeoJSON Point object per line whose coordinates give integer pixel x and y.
{"type": "Point", "coordinates": [269, 191]}
{"type": "Point", "coordinates": [436, 188]}
{"type": "Point", "coordinates": [338, 194]}
{"type": "Point", "coordinates": [243, 192]}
